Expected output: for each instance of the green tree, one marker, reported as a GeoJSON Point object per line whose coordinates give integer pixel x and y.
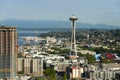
{"type": "Point", "coordinates": [20, 72]}
{"type": "Point", "coordinates": [91, 59]}
{"type": "Point", "coordinates": [65, 51]}
{"type": "Point", "coordinates": [38, 78]}
{"type": "Point", "coordinates": [65, 76]}
{"type": "Point", "coordinates": [51, 73]}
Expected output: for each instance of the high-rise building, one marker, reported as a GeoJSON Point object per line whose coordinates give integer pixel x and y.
{"type": "Point", "coordinates": [8, 52]}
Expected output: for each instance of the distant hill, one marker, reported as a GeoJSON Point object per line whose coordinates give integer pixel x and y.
{"type": "Point", "coordinates": [53, 24]}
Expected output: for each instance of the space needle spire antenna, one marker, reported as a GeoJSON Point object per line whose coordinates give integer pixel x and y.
{"type": "Point", "coordinates": [73, 50]}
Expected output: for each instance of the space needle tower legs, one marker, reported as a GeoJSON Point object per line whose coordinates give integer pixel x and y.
{"type": "Point", "coordinates": [73, 39]}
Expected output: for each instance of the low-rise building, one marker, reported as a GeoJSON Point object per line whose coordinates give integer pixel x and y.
{"type": "Point", "coordinates": [108, 72]}
{"type": "Point", "coordinates": [73, 72]}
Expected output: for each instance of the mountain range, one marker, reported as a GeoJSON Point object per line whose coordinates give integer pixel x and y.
{"type": "Point", "coordinates": [53, 24]}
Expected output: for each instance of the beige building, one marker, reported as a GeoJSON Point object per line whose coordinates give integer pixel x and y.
{"type": "Point", "coordinates": [8, 52]}
{"type": "Point", "coordinates": [31, 66]}
{"type": "Point", "coordinates": [73, 72]}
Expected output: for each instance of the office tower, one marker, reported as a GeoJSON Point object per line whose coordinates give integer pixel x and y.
{"type": "Point", "coordinates": [8, 52]}
{"type": "Point", "coordinates": [73, 39]}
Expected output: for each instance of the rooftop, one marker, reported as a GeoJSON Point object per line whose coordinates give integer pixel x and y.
{"type": "Point", "coordinates": [6, 27]}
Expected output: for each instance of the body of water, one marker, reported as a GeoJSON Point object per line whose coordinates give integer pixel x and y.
{"type": "Point", "coordinates": [28, 33]}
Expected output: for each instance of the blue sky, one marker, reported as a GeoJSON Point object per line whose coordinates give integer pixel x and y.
{"type": "Point", "coordinates": [88, 11]}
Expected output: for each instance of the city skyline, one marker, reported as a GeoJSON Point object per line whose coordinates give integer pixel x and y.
{"type": "Point", "coordinates": [95, 12]}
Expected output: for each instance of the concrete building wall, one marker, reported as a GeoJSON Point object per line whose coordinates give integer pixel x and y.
{"type": "Point", "coordinates": [8, 52]}
{"type": "Point", "coordinates": [76, 73]}
{"type": "Point", "coordinates": [73, 72]}
{"type": "Point", "coordinates": [103, 75]}
{"type": "Point", "coordinates": [37, 67]}
{"type": "Point", "coordinates": [20, 64]}
{"type": "Point", "coordinates": [32, 66]}
{"type": "Point", "coordinates": [27, 65]}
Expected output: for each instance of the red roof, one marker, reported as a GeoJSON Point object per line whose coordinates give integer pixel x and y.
{"type": "Point", "coordinates": [110, 56]}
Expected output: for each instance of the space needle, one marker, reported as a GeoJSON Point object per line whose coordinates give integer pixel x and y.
{"type": "Point", "coordinates": [73, 50]}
